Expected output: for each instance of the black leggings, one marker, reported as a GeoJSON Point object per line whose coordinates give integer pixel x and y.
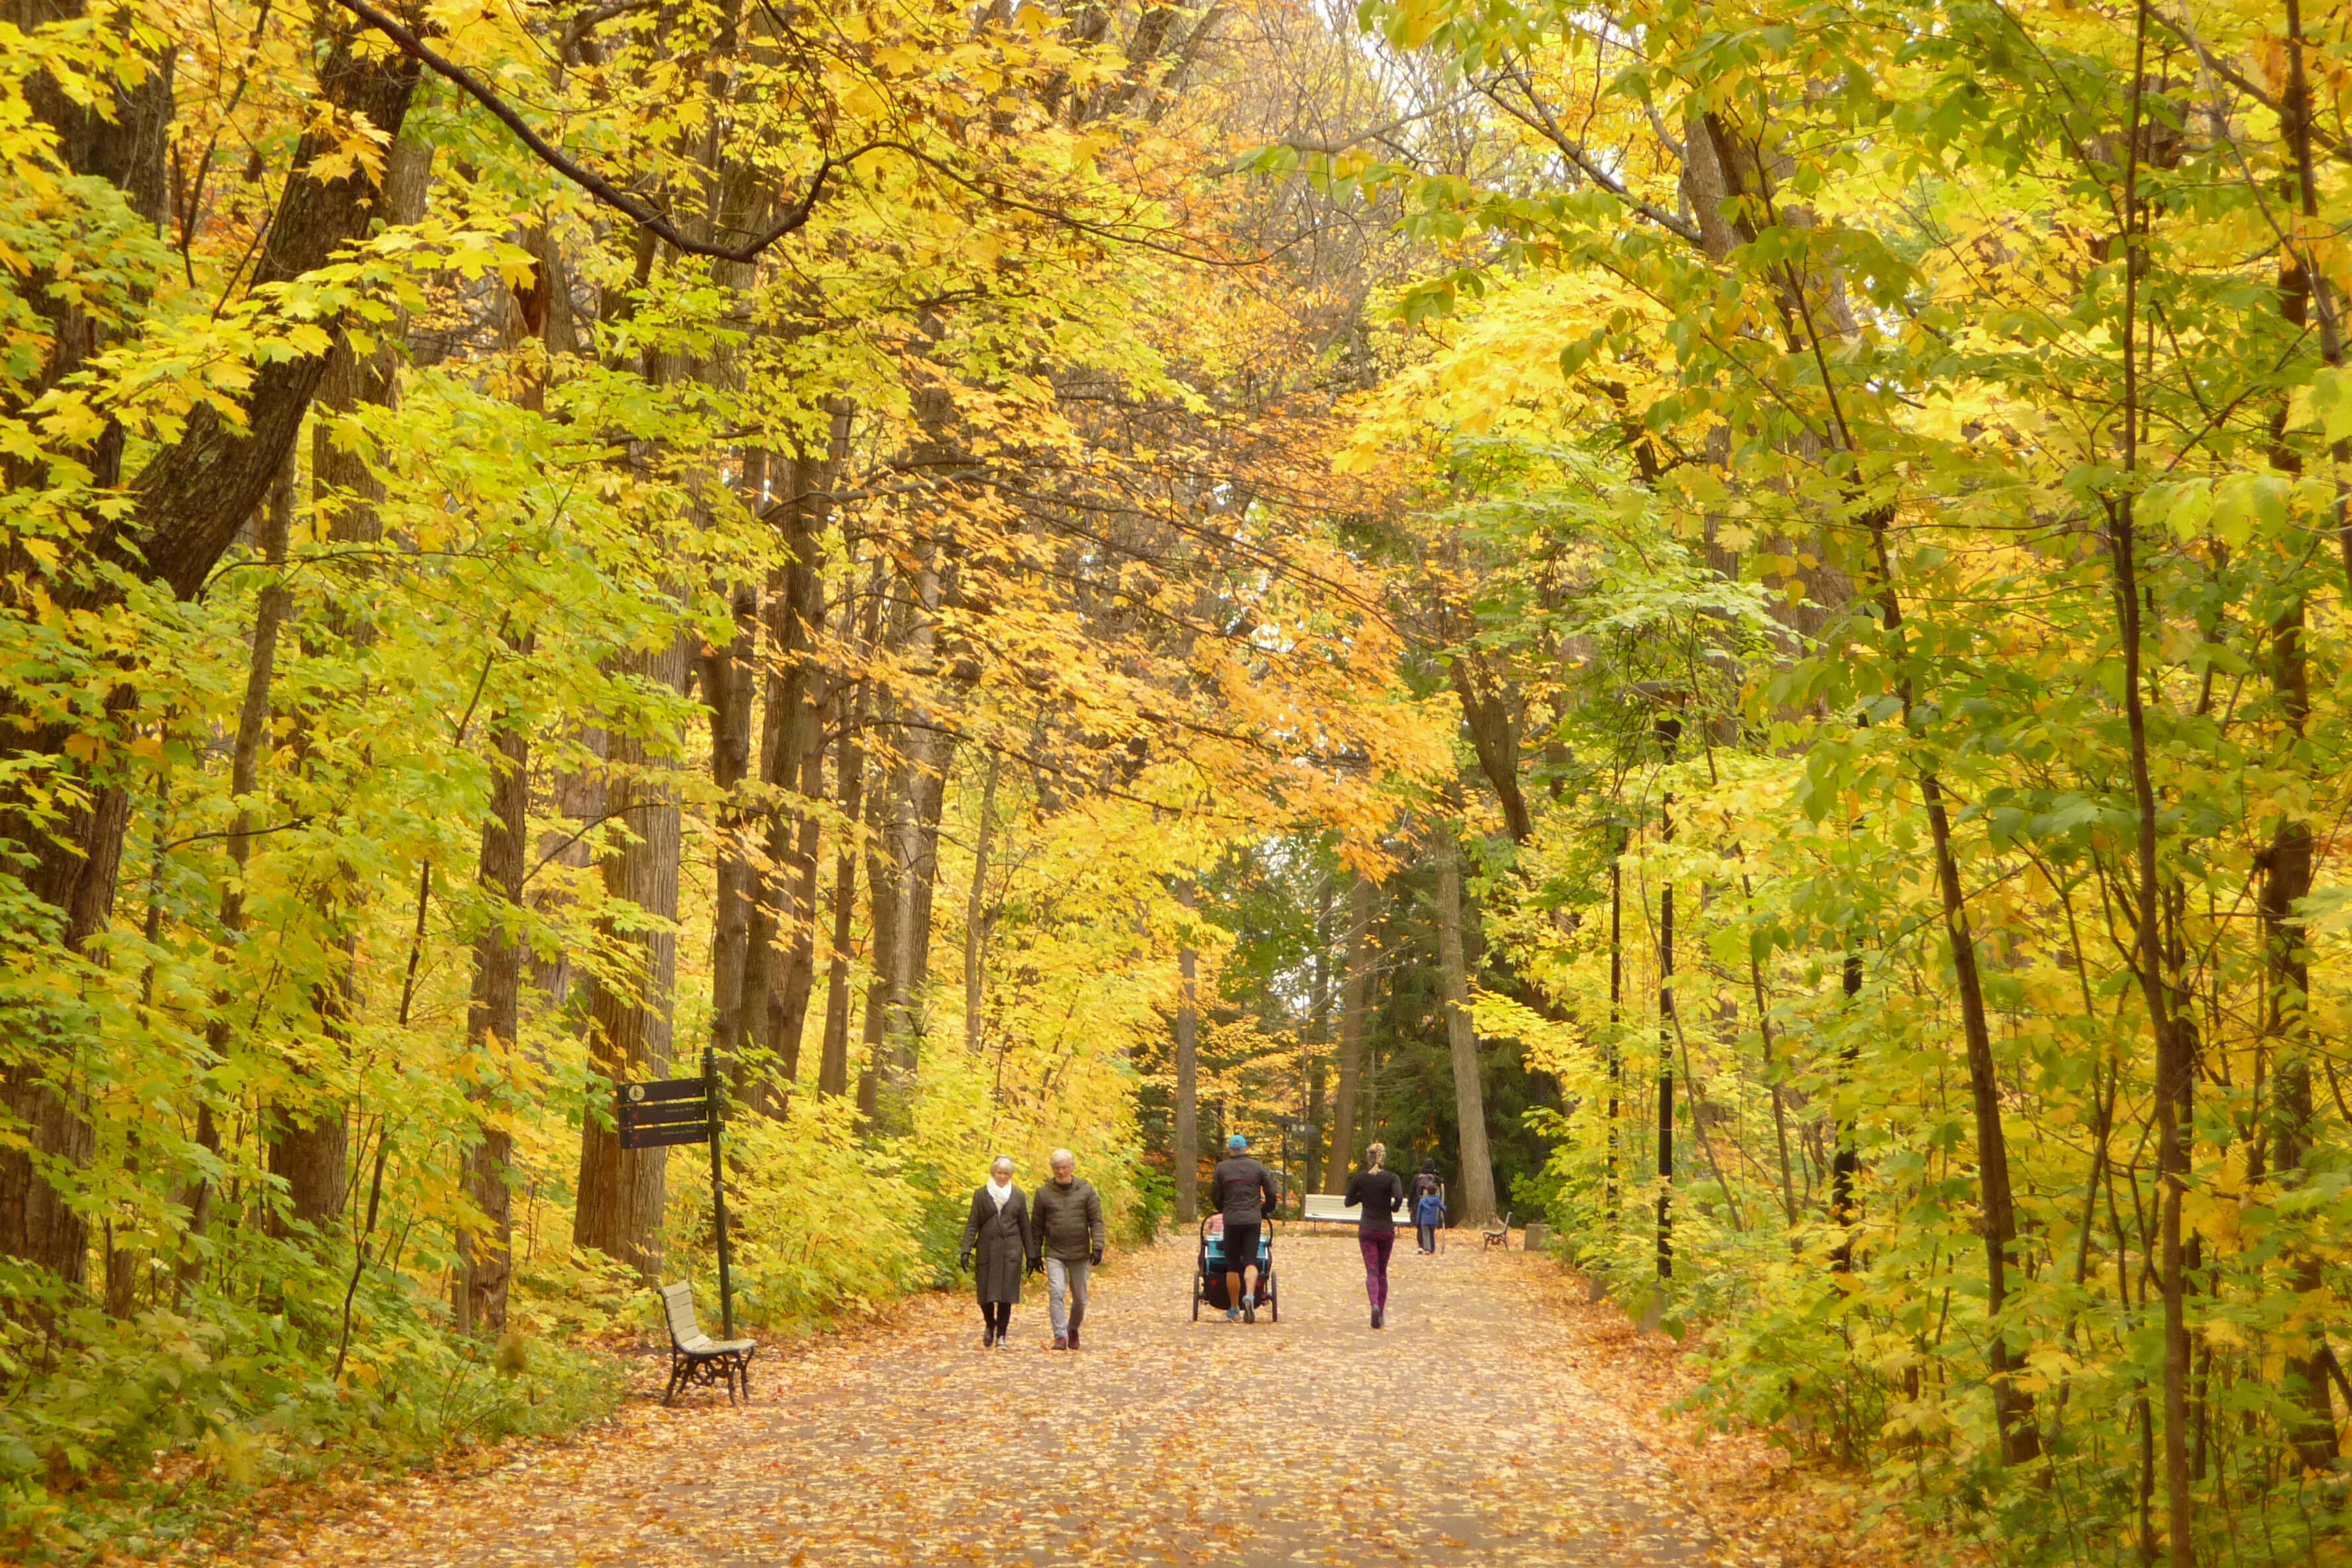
{"type": "Point", "coordinates": [999, 1315]}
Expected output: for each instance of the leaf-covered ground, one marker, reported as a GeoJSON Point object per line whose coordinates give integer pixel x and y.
{"type": "Point", "coordinates": [1497, 1420]}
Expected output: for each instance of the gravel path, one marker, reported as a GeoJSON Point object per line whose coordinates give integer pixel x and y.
{"type": "Point", "coordinates": [1461, 1435]}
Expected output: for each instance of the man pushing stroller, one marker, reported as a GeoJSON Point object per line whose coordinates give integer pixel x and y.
{"type": "Point", "coordinates": [1242, 1191]}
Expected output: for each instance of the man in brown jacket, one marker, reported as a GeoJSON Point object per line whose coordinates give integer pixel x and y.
{"type": "Point", "coordinates": [1066, 1217]}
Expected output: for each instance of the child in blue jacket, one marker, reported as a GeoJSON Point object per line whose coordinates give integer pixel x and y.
{"type": "Point", "coordinates": [1428, 1214]}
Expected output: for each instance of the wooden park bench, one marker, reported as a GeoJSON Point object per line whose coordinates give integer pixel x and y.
{"type": "Point", "coordinates": [695, 1356]}
{"type": "Point", "coordinates": [1501, 1235]}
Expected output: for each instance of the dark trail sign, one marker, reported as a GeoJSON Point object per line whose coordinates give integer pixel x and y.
{"type": "Point", "coordinates": [675, 1110]}
{"type": "Point", "coordinates": [666, 1111]}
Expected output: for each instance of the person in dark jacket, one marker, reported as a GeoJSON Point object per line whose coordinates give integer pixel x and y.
{"type": "Point", "coordinates": [1428, 1205]}
{"type": "Point", "coordinates": [1381, 1194]}
{"type": "Point", "coordinates": [1242, 1190]}
{"type": "Point", "coordinates": [999, 1234]}
{"type": "Point", "coordinates": [1069, 1226]}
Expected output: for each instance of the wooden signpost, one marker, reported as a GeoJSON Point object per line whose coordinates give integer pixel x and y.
{"type": "Point", "coordinates": [675, 1111]}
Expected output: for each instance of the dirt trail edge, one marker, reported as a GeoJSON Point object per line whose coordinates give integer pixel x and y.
{"type": "Point", "coordinates": [1463, 1434]}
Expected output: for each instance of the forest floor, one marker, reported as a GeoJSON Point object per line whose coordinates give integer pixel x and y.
{"type": "Point", "coordinates": [1498, 1420]}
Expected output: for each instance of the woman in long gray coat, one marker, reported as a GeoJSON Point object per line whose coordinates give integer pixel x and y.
{"type": "Point", "coordinates": [998, 1235]}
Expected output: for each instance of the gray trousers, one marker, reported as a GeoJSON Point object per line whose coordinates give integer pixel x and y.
{"type": "Point", "coordinates": [1065, 1293]}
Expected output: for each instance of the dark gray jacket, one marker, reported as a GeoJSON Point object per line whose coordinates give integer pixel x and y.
{"type": "Point", "coordinates": [1242, 1190]}
{"type": "Point", "coordinates": [1068, 1220]}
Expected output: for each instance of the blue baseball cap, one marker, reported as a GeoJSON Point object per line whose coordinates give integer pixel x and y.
{"type": "Point", "coordinates": [1236, 1142]}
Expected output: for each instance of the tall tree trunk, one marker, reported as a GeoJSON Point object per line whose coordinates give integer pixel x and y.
{"type": "Point", "coordinates": [2173, 1064]}
{"type": "Point", "coordinates": [1616, 1020]}
{"type": "Point", "coordinates": [975, 916]}
{"type": "Point", "coordinates": [620, 1191]}
{"type": "Point", "coordinates": [1846, 1163]}
{"type": "Point", "coordinates": [310, 1132]}
{"type": "Point", "coordinates": [1669, 731]}
{"type": "Point", "coordinates": [797, 762]}
{"type": "Point", "coordinates": [1318, 1034]}
{"type": "Point", "coordinates": [2021, 1439]}
{"type": "Point", "coordinates": [728, 682]}
{"type": "Point", "coordinates": [1477, 1206]}
{"type": "Point", "coordinates": [484, 1256]}
{"type": "Point", "coordinates": [245, 771]}
{"type": "Point", "coordinates": [882, 925]}
{"type": "Point", "coordinates": [494, 1019]}
{"type": "Point", "coordinates": [2287, 863]}
{"type": "Point", "coordinates": [1355, 1006]}
{"type": "Point", "coordinates": [919, 797]}
{"type": "Point", "coordinates": [833, 1067]}
{"type": "Point", "coordinates": [789, 1002]}
{"type": "Point", "coordinates": [1188, 1065]}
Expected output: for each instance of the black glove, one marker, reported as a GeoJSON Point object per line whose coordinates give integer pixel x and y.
{"type": "Point", "coordinates": [1097, 1256]}
{"type": "Point", "coordinates": [1036, 1266]}
{"type": "Point", "coordinates": [963, 1260]}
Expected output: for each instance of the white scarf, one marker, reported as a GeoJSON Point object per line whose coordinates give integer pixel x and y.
{"type": "Point", "coordinates": [1003, 1192]}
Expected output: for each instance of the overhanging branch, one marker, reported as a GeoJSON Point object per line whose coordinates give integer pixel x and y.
{"type": "Point", "coordinates": [621, 201]}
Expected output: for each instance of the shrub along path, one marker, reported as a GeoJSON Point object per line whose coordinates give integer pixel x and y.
{"type": "Point", "coordinates": [1468, 1432]}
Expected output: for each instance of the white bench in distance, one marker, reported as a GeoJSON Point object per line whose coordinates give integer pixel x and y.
{"type": "Point", "coordinates": [1330, 1209]}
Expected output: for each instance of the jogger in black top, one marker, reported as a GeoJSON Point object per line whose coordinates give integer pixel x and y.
{"type": "Point", "coordinates": [1379, 1192]}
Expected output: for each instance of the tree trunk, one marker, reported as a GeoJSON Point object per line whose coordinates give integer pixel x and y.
{"type": "Point", "coordinates": [1616, 1019]}
{"type": "Point", "coordinates": [1492, 712]}
{"type": "Point", "coordinates": [833, 1068]}
{"type": "Point", "coordinates": [728, 682]}
{"type": "Point", "coordinates": [920, 796]}
{"type": "Point", "coordinates": [485, 1267]}
{"type": "Point", "coordinates": [788, 1007]}
{"type": "Point", "coordinates": [1188, 1067]}
{"type": "Point", "coordinates": [494, 1018]}
{"type": "Point", "coordinates": [244, 769]}
{"type": "Point", "coordinates": [2286, 866]}
{"type": "Point", "coordinates": [1847, 1163]}
{"type": "Point", "coordinates": [2173, 1064]}
{"type": "Point", "coordinates": [1355, 998]}
{"type": "Point", "coordinates": [1318, 1030]}
{"type": "Point", "coordinates": [620, 1191]}
{"type": "Point", "coordinates": [310, 1139]}
{"type": "Point", "coordinates": [975, 916]}
{"type": "Point", "coordinates": [1666, 1024]}
{"type": "Point", "coordinates": [1478, 1205]}
{"type": "Point", "coordinates": [796, 763]}
{"type": "Point", "coordinates": [882, 926]}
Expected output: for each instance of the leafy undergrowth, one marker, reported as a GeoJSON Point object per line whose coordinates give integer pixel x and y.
{"type": "Point", "coordinates": [1797, 1512]}
{"type": "Point", "coordinates": [191, 1432]}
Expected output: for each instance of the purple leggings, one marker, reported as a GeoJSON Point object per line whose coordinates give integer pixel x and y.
{"type": "Point", "coordinates": [1376, 1246]}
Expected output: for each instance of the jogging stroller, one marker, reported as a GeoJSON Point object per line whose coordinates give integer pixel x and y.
{"type": "Point", "coordinates": [1208, 1274]}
